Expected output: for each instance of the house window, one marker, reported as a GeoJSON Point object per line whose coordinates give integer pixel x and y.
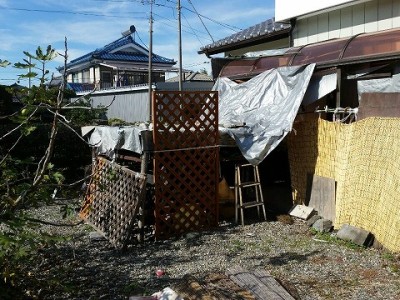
{"type": "Point", "coordinates": [106, 79]}
{"type": "Point", "coordinates": [74, 77]}
{"type": "Point", "coordinates": [86, 76]}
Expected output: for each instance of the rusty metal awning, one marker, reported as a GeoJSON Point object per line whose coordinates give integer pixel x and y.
{"type": "Point", "coordinates": [365, 47]}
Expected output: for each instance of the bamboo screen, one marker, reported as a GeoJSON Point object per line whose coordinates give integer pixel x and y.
{"type": "Point", "coordinates": [364, 159]}
{"type": "Point", "coordinates": [185, 161]}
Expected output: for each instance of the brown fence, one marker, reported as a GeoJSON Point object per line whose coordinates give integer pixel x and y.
{"type": "Point", "coordinates": [112, 200]}
{"type": "Point", "coordinates": [186, 161]}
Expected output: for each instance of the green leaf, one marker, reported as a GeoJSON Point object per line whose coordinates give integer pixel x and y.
{"type": "Point", "coordinates": [28, 75]}
{"type": "Point", "coordinates": [4, 63]}
{"type": "Point", "coordinates": [27, 130]}
{"type": "Point", "coordinates": [59, 178]}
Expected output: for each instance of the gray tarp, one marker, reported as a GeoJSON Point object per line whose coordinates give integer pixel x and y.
{"type": "Point", "coordinates": [381, 85]}
{"type": "Point", "coordinates": [107, 139]}
{"type": "Point", "coordinates": [266, 106]}
{"type": "Point", "coordinates": [320, 86]}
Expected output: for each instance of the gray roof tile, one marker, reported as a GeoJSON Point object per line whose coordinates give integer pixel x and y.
{"type": "Point", "coordinates": [266, 28]}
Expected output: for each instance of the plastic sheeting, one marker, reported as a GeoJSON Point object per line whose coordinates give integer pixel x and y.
{"type": "Point", "coordinates": [259, 113]}
{"type": "Point", "coordinates": [107, 139]}
{"type": "Point", "coordinates": [381, 85]}
{"type": "Point", "coordinates": [320, 86]}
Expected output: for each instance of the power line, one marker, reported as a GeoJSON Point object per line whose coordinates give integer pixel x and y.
{"type": "Point", "coordinates": [201, 20]}
{"type": "Point", "coordinates": [173, 26]}
{"type": "Point", "coordinates": [231, 27]}
{"type": "Point", "coordinates": [66, 12]}
{"type": "Point", "coordinates": [194, 33]}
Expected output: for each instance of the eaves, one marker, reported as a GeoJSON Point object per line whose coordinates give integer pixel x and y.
{"type": "Point", "coordinates": [246, 43]}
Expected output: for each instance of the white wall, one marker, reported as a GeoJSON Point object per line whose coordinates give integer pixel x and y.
{"type": "Point", "coordinates": [369, 16]}
{"type": "Point", "coordinates": [287, 9]}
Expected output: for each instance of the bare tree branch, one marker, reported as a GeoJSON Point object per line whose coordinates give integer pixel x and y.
{"type": "Point", "coordinates": [12, 147]}
{"type": "Point", "coordinates": [74, 131]}
{"type": "Point", "coordinates": [21, 124]}
{"type": "Point", "coordinates": [53, 224]}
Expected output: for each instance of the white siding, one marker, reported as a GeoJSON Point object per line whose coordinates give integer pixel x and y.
{"type": "Point", "coordinates": [362, 17]}
{"type": "Point", "coordinates": [371, 16]}
{"type": "Point", "coordinates": [358, 19]}
{"type": "Point", "coordinates": [130, 107]}
{"type": "Point", "coordinates": [385, 14]}
{"type": "Point", "coordinates": [97, 74]}
{"type": "Point", "coordinates": [334, 24]}
{"type": "Point", "coordinates": [287, 9]}
{"type": "Point", "coordinates": [346, 22]}
{"type": "Point", "coordinates": [313, 29]}
{"type": "Point", "coordinates": [91, 75]}
{"type": "Point", "coordinates": [396, 14]}
{"type": "Point", "coordinates": [323, 26]}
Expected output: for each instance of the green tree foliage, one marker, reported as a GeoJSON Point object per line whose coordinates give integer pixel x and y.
{"type": "Point", "coordinates": [30, 180]}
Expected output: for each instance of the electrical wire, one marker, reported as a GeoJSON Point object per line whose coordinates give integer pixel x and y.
{"type": "Point", "coordinates": [201, 20]}
{"type": "Point", "coordinates": [194, 33]}
{"type": "Point", "coordinates": [231, 27]}
{"type": "Point", "coordinates": [67, 12]}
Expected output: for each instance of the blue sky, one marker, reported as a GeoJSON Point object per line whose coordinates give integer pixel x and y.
{"type": "Point", "coordinates": [91, 24]}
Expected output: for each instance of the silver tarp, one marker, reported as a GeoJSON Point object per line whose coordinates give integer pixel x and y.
{"type": "Point", "coordinates": [259, 113]}
{"type": "Point", "coordinates": [107, 139]}
{"type": "Point", "coordinates": [380, 85]}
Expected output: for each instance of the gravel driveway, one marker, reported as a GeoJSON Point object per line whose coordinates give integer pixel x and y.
{"type": "Point", "coordinates": [309, 266]}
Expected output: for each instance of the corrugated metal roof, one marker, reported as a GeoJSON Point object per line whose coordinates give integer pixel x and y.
{"type": "Point", "coordinates": [106, 53]}
{"type": "Point", "coordinates": [262, 30]}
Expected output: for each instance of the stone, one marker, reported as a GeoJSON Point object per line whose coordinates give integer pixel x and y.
{"type": "Point", "coordinates": [302, 212]}
{"type": "Point", "coordinates": [356, 235]}
{"type": "Point", "coordinates": [96, 237]}
{"type": "Point", "coordinates": [310, 222]}
{"type": "Point", "coordinates": [322, 225]}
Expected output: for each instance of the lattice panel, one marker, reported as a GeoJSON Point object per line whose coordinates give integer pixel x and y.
{"type": "Point", "coordinates": [185, 162]}
{"type": "Point", "coordinates": [185, 119]}
{"type": "Point", "coordinates": [112, 200]}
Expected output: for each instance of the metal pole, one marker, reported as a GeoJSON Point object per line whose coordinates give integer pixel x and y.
{"type": "Point", "coordinates": [180, 44]}
{"type": "Point", "coordinates": [150, 61]}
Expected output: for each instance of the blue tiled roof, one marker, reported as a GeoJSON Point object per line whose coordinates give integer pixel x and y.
{"type": "Point", "coordinates": [263, 29]}
{"type": "Point", "coordinates": [104, 53]}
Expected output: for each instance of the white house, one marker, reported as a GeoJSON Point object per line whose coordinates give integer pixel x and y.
{"type": "Point", "coordinates": [317, 21]}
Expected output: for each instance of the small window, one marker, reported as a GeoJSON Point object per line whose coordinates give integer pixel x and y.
{"type": "Point", "coordinates": [106, 81]}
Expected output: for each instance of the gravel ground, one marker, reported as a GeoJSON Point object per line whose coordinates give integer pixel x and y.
{"type": "Point", "coordinates": [309, 266]}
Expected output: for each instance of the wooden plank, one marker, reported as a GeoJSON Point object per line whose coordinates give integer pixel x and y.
{"type": "Point", "coordinates": [270, 281]}
{"type": "Point", "coordinates": [262, 288]}
{"type": "Point", "coordinates": [322, 197]}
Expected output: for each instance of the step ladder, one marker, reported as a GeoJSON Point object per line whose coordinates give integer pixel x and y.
{"type": "Point", "coordinates": [255, 185]}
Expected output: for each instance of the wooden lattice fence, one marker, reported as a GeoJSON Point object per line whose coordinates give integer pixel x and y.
{"type": "Point", "coordinates": [186, 161]}
{"type": "Point", "coordinates": [112, 200]}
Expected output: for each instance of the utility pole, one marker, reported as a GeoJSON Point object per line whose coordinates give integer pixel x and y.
{"type": "Point", "coordinates": [150, 61]}
{"type": "Point", "coordinates": [180, 44]}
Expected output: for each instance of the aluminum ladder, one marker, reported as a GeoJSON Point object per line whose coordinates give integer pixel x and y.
{"type": "Point", "coordinates": [255, 184]}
